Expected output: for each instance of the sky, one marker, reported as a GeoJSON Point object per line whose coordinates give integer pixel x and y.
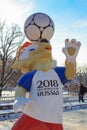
{"type": "Point", "coordinates": [69, 16]}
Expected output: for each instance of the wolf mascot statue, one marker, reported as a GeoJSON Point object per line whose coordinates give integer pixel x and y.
{"type": "Point", "coordinates": [43, 109]}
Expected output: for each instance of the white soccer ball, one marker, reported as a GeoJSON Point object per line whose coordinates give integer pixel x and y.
{"type": "Point", "coordinates": [39, 26]}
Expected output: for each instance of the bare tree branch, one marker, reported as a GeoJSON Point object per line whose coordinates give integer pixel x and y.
{"type": "Point", "coordinates": [10, 38]}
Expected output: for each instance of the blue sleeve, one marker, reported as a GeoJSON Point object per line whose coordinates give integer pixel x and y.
{"type": "Point", "coordinates": [26, 80]}
{"type": "Point", "coordinates": [61, 73]}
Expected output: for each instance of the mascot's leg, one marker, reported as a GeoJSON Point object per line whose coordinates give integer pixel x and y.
{"type": "Point", "coordinates": [54, 126]}
{"type": "Point", "coordinates": [27, 123]}
{"type": "Point", "coordinates": [20, 123]}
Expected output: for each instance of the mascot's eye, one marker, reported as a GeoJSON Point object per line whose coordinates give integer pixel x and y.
{"type": "Point", "coordinates": [32, 49]}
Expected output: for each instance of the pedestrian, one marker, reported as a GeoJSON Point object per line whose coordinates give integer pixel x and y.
{"type": "Point", "coordinates": [81, 92]}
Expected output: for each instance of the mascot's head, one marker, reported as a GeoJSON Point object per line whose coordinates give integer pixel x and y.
{"type": "Point", "coordinates": [36, 55]}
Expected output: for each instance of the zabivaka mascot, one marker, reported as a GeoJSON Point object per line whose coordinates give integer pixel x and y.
{"type": "Point", "coordinates": [43, 110]}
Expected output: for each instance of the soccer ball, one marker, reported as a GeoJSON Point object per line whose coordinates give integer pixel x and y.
{"type": "Point", "coordinates": [39, 26]}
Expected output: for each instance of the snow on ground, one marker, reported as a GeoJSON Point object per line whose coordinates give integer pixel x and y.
{"type": "Point", "coordinates": [6, 125]}
{"type": "Point", "coordinates": [75, 116]}
{"type": "Point", "coordinates": [72, 120]}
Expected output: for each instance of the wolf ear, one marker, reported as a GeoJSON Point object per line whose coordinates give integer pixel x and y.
{"type": "Point", "coordinates": [21, 48]}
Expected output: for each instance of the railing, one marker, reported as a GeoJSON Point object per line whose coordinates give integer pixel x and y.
{"type": "Point", "coordinates": [5, 99]}
{"type": "Point", "coordinates": [7, 96]}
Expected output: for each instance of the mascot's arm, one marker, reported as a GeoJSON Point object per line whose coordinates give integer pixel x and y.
{"type": "Point", "coordinates": [24, 85]}
{"type": "Point", "coordinates": [21, 100]}
{"type": "Point", "coordinates": [20, 92]}
{"type": "Point", "coordinates": [71, 50]}
{"type": "Point", "coordinates": [70, 70]}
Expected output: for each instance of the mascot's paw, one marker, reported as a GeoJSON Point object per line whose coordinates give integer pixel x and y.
{"type": "Point", "coordinates": [71, 49]}
{"type": "Point", "coordinates": [19, 103]}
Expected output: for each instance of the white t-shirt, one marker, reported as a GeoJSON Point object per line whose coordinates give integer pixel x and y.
{"type": "Point", "coordinates": [46, 92]}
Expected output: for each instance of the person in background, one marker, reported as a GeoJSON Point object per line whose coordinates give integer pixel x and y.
{"type": "Point", "coordinates": [81, 92]}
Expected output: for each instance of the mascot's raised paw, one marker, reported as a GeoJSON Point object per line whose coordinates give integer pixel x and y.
{"type": "Point", "coordinates": [71, 49]}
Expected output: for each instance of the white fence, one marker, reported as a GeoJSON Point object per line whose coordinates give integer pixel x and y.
{"type": "Point", "coordinates": [7, 96]}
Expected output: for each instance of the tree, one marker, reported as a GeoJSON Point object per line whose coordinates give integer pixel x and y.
{"type": "Point", "coordinates": [81, 74]}
{"type": "Point", "coordinates": [80, 77]}
{"type": "Point", "coordinates": [10, 38]}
